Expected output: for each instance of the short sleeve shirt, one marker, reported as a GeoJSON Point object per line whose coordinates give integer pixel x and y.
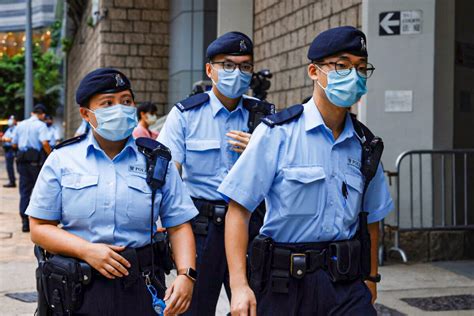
{"type": "Point", "coordinates": [300, 169]}
{"type": "Point", "coordinates": [197, 139]}
{"type": "Point", "coordinates": [106, 200]}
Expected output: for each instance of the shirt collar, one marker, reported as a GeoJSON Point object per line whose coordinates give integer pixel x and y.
{"type": "Point", "coordinates": [93, 145]}
{"type": "Point", "coordinates": [313, 119]}
{"type": "Point", "coordinates": [312, 116]}
{"type": "Point", "coordinates": [34, 117]}
{"type": "Point", "coordinates": [217, 106]}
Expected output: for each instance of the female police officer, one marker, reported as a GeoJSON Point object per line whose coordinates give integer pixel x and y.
{"type": "Point", "coordinates": [306, 161]}
{"type": "Point", "coordinates": [95, 187]}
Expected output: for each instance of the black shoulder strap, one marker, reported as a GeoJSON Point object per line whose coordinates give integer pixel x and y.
{"type": "Point", "coordinates": [362, 131]}
{"type": "Point", "coordinates": [262, 106]}
{"type": "Point", "coordinates": [71, 141]}
{"type": "Point", "coordinates": [257, 111]}
{"type": "Point", "coordinates": [285, 116]}
{"type": "Point", "coordinates": [192, 102]}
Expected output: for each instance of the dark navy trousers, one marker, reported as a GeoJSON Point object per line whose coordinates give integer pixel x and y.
{"type": "Point", "coordinates": [28, 174]}
{"type": "Point", "coordinates": [316, 294]}
{"type": "Point", "coordinates": [105, 297]}
{"type": "Point", "coordinates": [10, 161]}
{"type": "Point", "coordinates": [212, 270]}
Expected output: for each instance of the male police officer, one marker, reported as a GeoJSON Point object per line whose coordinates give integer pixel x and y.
{"type": "Point", "coordinates": [206, 134]}
{"type": "Point", "coordinates": [10, 152]}
{"type": "Point", "coordinates": [31, 139]}
{"type": "Point", "coordinates": [96, 186]}
{"type": "Point", "coordinates": [306, 161]}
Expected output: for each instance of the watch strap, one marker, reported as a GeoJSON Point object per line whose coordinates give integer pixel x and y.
{"type": "Point", "coordinates": [375, 278]}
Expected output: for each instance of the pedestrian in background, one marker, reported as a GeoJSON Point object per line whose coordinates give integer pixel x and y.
{"type": "Point", "coordinates": [146, 113]}
{"type": "Point", "coordinates": [9, 152]}
{"type": "Point", "coordinates": [31, 139]}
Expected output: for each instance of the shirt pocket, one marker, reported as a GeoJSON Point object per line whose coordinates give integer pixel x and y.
{"type": "Point", "coordinates": [303, 191]}
{"type": "Point", "coordinates": [139, 200]}
{"type": "Point", "coordinates": [202, 156]}
{"type": "Point", "coordinates": [79, 193]}
{"type": "Point", "coordinates": [355, 188]}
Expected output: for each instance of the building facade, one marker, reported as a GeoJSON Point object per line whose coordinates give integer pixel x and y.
{"type": "Point", "coordinates": [132, 36]}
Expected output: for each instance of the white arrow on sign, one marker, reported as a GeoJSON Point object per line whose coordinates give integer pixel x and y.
{"type": "Point", "coordinates": [386, 23]}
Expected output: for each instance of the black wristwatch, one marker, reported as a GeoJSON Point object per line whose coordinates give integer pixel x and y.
{"type": "Point", "coordinates": [375, 279]}
{"type": "Point", "coordinates": [189, 272]}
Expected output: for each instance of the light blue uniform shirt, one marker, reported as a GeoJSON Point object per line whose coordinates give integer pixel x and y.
{"type": "Point", "coordinates": [30, 133]}
{"type": "Point", "coordinates": [103, 200]}
{"type": "Point", "coordinates": [299, 168]}
{"type": "Point", "coordinates": [9, 133]}
{"type": "Point", "coordinates": [198, 142]}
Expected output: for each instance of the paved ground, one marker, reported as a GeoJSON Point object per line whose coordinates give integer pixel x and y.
{"type": "Point", "coordinates": [17, 266]}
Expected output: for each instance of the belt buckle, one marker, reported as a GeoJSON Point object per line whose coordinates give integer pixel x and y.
{"type": "Point", "coordinates": [298, 265]}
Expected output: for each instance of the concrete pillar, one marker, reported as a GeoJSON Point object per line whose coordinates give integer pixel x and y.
{"type": "Point", "coordinates": [235, 15]}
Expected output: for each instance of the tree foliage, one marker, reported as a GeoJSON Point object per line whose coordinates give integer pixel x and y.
{"type": "Point", "coordinates": [46, 82]}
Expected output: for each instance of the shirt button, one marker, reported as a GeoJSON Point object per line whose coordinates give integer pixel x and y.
{"type": "Point", "coordinates": [331, 203]}
{"type": "Point", "coordinates": [111, 183]}
{"type": "Point", "coordinates": [328, 229]}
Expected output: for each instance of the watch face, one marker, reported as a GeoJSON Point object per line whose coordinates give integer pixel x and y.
{"type": "Point", "coordinates": [192, 273]}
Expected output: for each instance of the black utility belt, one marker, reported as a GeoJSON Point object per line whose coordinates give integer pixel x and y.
{"type": "Point", "coordinates": [214, 211]}
{"type": "Point", "coordinates": [28, 156]}
{"type": "Point", "coordinates": [61, 280]}
{"type": "Point", "coordinates": [341, 259]}
{"type": "Point", "coordinates": [273, 264]}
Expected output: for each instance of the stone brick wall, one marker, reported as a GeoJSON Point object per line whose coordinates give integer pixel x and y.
{"type": "Point", "coordinates": [283, 30]}
{"type": "Point", "coordinates": [133, 37]}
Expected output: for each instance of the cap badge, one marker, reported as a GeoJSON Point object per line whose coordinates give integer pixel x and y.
{"type": "Point", "coordinates": [119, 81]}
{"type": "Point", "coordinates": [243, 47]}
{"type": "Point", "coordinates": [363, 47]}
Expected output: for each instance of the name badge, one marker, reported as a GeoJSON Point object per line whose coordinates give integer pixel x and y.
{"type": "Point", "coordinates": [138, 170]}
{"type": "Point", "coordinates": [354, 163]}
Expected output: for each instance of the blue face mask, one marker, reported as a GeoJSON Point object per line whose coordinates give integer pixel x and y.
{"type": "Point", "coordinates": [232, 84]}
{"type": "Point", "coordinates": [115, 122]}
{"type": "Point", "coordinates": [344, 91]}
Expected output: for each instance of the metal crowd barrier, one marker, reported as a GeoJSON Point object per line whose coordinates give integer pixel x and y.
{"type": "Point", "coordinates": [453, 188]}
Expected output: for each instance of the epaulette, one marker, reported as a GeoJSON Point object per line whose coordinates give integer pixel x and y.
{"type": "Point", "coordinates": [71, 141]}
{"type": "Point", "coordinates": [284, 116]}
{"type": "Point", "coordinates": [362, 131]}
{"type": "Point", "coordinates": [192, 102]}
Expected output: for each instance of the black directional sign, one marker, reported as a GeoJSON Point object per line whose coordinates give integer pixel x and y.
{"type": "Point", "coordinates": [389, 23]}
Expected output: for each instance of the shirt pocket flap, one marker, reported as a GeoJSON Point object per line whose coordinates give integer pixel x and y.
{"type": "Point", "coordinates": [304, 174]}
{"type": "Point", "coordinates": [139, 184]}
{"type": "Point", "coordinates": [355, 182]}
{"type": "Point", "coordinates": [79, 181]}
{"type": "Point", "coordinates": [202, 144]}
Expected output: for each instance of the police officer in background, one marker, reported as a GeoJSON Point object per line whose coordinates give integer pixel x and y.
{"type": "Point", "coordinates": [10, 152]}
{"type": "Point", "coordinates": [53, 133]}
{"type": "Point", "coordinates": [306, 161]}
{"type": "Point", "coordinates": [95, 187]}
{"type": "Point", "coordinates": [31, 139]}
{"type": "Point", "coordinates": [206, 133]}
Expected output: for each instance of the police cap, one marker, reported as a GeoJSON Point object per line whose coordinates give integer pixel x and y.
{"type": "Point", "coordinates": [337, 40]}
{"type": "Point", "coordinates": [99, 81]}
{"type": "Point", "coordinates": [39, 108]}
{"type": "Point", "coordinates": [231, 43]}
